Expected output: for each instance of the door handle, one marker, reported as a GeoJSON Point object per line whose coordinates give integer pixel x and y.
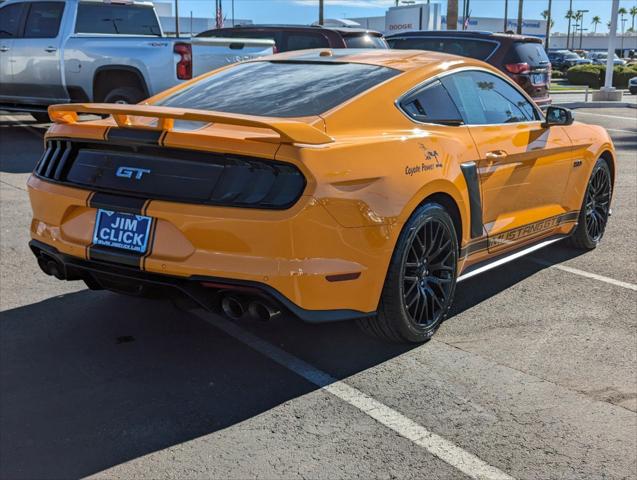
{"type": "Point", "coordinates": [4, 49]}
{"type": "Point", "coordinates": [496, 155]}
{"type": "Point", "coordinates": [50, 49]}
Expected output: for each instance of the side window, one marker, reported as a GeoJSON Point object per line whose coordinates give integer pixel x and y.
{"type": "Point", "coordinates": [114, 19]}
{"type": "Point", "coordinates": [431, 104]}
{"type": "Point", "coordinates": [43, 20]}
{"type": "Point", "coordinates": [483, 98]}
{"type": "Point", "coordinates": [302, 41]}
{"type": "Point", "coordinates": [10, 18]}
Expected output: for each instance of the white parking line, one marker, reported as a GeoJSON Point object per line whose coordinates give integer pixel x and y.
{"type": "Point", "coordinates": [447, 451]}
{"type": "Point", "coordinates": [583, 273]}
{"type": "Point", "coordinates": [620, 131]}
{"type": "Point", "coordinates": [606, 115]}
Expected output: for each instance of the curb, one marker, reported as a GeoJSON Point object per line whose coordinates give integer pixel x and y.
{"type": "Point", "coordinates": [596, 105]}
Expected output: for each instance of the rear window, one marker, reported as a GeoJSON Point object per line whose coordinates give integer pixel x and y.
{"type": "Point", "coordinates": [116, 19]}
{"type": "Point", "coordinates": [280, 89]}
{"type": "Point", "coordinates": [526, 52]}
{"type": "Point", "coordinates": [473, 48]}
{"type": "Point", "coordinates": [303, 41]}
{"type": "Point", "coordinates": [364, 40]}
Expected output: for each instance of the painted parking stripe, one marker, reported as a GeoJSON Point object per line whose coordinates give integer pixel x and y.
{"type": "Point", "coordinates": [620, 131]}
{"type": "Point", "coordinates": [606, 115]}
{"type": "Point", "coordinates": [442, 448]}
{"type": "Point", "coordinates": [583, 273]}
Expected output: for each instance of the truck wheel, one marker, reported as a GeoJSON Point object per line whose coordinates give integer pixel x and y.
{"type": "Point", "coordinates": [421, 279]}
{"type": "Point", "coordinates": [41, 117]}
{"type": "Point", "coordinates": [124, 95]}
{"type": "Point", "coordinates": [595, 210]}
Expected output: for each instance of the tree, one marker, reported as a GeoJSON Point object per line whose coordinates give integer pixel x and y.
{"type": "Point", "coordinates": [569, 17]}
{"type": "Point", "coordinates": [633, 14]}
{"type": "Point", "coordinates": [452, 14]}
{"type": "Point", "coordinates": [545, 15]}
{"type": "Point", "coordinates": [596, 21]}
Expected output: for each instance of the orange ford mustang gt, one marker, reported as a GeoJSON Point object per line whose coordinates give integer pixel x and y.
{"type": "Point", "coordinates": [341, 184]}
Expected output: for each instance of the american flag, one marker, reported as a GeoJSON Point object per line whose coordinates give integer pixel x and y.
{"type": "Point", "coordinates": [219, 15]}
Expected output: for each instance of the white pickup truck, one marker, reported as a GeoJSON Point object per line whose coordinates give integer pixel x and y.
{"type": "Point", "coordinates": [111, 51]}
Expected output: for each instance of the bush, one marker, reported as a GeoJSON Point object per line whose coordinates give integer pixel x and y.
{"type": "Point", "coordinates": [557, 74]}
{"type": "Point", "coordinates": [593, 75]}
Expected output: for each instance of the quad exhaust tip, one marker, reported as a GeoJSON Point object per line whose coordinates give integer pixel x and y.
{"type": "Point", "coordinates": [262, 311]}
{"type": "Point", "coordinates": [236, 307]}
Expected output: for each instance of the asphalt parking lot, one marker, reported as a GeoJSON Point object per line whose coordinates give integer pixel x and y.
{"type": "Point", "coordinates": [534, 376]}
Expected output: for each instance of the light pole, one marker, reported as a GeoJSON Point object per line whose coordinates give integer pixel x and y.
{"type": "Point", "coordinates": [548, 25]}
{"type": "Point", "coordinates": [321, 8]}
{"type": "Point", "coordinates": [177, 18]}
{"type": "Point", "coordinates": [506, 12]}
{"type": "Point", "coordinates": [622, 41]}
{"type": "Point", "coordinates": [580, 36]}
{"type": "Point", "coordinates": [518, 30]}
{"type": "Point", "coordinates": [581, 25]}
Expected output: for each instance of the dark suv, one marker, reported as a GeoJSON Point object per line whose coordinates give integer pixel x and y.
{"type": "Point", "coordinates": [300, 37]}
{"type": "Point", "coordinates": [521, 57]}
{"type": "Point", "coordinates": [565, 59]}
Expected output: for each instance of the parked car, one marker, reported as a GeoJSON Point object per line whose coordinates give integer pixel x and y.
{"type": "Point", "coordinates": [521, 57]}
{"type": "Point", "coordinates": [600, 58]}
{"type": "Point", "coordinates": [359, 185]}
{"type": "Point", "coordinates": [632, 85]}
{"type": "Point", "coordinates": [565, 59]}
{"type": "Point", "coordinates": [80, 50]}
{"type": "Point", "coordinates": [301, 37]}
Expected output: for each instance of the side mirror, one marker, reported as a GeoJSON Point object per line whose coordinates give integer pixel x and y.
{"type": "Point", "coordinates": [557, 116]}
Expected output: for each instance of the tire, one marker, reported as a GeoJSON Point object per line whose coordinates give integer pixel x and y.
{"type": "Point", "coordinates": [414, 283]}
{"type": "Point", "coordinates": [128, 95]}
{"type": "Point", "coordinates": [41, 117]}
{"type": "Point", "coordinates": [595, 210]}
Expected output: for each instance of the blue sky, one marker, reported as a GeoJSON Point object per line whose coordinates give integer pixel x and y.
{"type": "Point", "coordinates": [306, 11]}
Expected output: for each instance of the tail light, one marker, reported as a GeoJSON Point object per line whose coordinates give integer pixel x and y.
{"type": "Point", "coordinates": [275, 49]}
{"type": "Point", "coordinates": [184, 65]}
{"type": "Point", "coordinates": [518, 68]}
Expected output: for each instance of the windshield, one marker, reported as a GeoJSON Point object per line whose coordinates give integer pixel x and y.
{"type": "Point", "coordinates": [280, 89]}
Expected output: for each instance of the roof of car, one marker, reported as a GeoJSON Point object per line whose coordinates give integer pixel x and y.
{"type": "Point", "coordinates": [342, 30]}
{"type": "Point", "coordinates": [466, 33]}
{"type": "Point", "coordinates": [398, 59]}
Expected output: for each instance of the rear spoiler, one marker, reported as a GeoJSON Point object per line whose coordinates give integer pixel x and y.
{"type": "Point", "coordinates": [289, 131]}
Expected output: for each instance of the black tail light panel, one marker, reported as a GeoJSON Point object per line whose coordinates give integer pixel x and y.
{"type": "Point", "coordinates": [158, 173]}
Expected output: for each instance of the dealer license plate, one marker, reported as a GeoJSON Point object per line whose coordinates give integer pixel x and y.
{"type": "Point", "coordinates": [125, 231]}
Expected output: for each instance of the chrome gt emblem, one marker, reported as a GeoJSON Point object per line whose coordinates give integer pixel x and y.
{"type": "Point", "coordinates": [131, 172]}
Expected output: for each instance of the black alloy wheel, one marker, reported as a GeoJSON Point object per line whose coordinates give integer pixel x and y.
{"type": "Point", "coordinates": [420, 281]}
{"type": "Point", "coordinates": [593, 216]}
{"type": "Point", "coordinates": [597, 204]}
{"type": "Point", "coordinates": [428, 273]}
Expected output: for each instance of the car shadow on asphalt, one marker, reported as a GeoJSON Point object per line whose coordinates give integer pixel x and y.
{"type": "Point", "coordinates": [23, 158]}
{"type": "Point", "coordinates": [93, 379]}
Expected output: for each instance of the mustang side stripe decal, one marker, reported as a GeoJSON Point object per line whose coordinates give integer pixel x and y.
{"type": "Point", "coordinates": [519, 233]}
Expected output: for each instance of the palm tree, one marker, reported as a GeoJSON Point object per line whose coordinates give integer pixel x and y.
{"type": "Point", "coordinates": [545, 15]}
{"type": "Point", "coordinates": [569, 17]}
{"type": "Point", "coordinates": [596, 21]}
{"type": "Point", "coordinates": [633, 14]}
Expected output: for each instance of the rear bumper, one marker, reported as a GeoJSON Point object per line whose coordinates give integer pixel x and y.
{"type": "Point", "coordinates": [205, 291]}
{"type": "Point", "coordinates": [300, 256]}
